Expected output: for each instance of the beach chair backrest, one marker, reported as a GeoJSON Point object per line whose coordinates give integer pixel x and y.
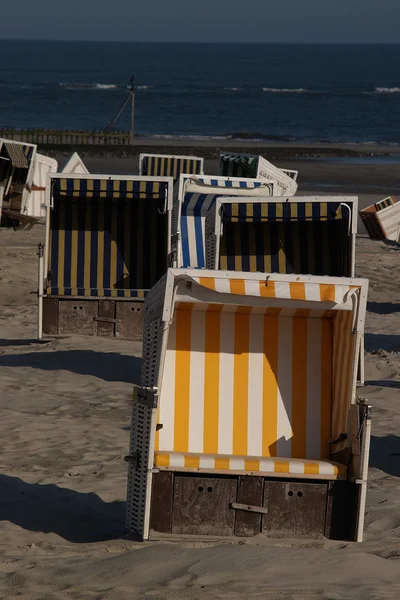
{"type": "Point", "coordinates": [166, 165]}
{"type": "Point", "coordinates": [194, 197]}
{"type": "Point", "coordinates": [108, 236]}
{"type": "Point", "coordinates": [309, 235]}
{"type": "Point", "coordinates": [251, 367]}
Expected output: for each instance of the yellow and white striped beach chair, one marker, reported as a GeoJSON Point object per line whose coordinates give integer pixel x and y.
{"type": "Point", "coordinates": [247, 419]}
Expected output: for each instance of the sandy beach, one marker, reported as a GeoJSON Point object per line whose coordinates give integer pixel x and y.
{"type": "Point", "coordinates": [65, 416]}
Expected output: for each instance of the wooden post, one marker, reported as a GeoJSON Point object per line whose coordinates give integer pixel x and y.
{"type": "Point", "coordinates": [133, 113]}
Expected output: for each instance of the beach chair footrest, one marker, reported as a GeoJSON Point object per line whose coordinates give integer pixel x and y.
{"type": "Point", "coordinates": [93, 316]}
{"type": "Point", "coordinates": [214, 505]}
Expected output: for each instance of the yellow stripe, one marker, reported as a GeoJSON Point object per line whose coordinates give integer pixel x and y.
{"type": "Point", "coordinates": [162, 165]}
{"type": "Point", "coordinates": [88, 235]}
{"type": "Point", "coordinates": [103, 188]}
{"type": "Point", "coordinates": [238, 249]}
{"type": "Point", "coordinates": [281, 251]}
{"type": "Point", "coordinates": [299, 387]}
{"type": "Point", "coordinates": [77, 186]}
{"type": "Point", "coordinates": [308, 211]}
{"type": "Point", "coordinates": [114, 247]}
{"type": "Point", "coordinates": [241, 383]}
{"type": "Point", "coordinates": [168, 165]}
{"type": "Point", "coordinates": [182, 379]}
{"type": "Point", "coordinates": [162, 460]}
{"type": "Point", "coordinates": [100, 242]}
{"type": "Point", "coordinates": [345, 373]}
{"type": "Point", "coordinates": [326, 385]}
{"type": "Point", "coordinates": [192, 462]}
{"type": "Point", "coordinates": [267, 247]}
{"type": "Point", "coordinates": [127, 244]}
{"type": "Point", "coordinates": [237, 286]}
{"type": "Point", "coordinates": [61, 247]}
{"type": "Point", "coordinates": [327, 292]}
{"type": "Point", "coordinates": [281, 466]}
{"type": "Point", "coordinates": [252, 249]}
{"type": "Point", "coordinates": [175, 168]}
{"type": "Point", "coordinates": [311, 468]}
{"type": "Point", "coordinates": [252, 465]}
{"type": "Point", "coordinates": [211, 380]}
{"type": "Point", "coordinates": [267, 289]}
{"type": "Point", "coordinates": [222, 464]}
{"type": "Point", "coordinates": [74, 244]}
{"type": "Point", "coordinates": [270, 385]}
{"type": "Point", "coordinates": [208, 282]}
{"type": "Point", "coordinates": [297, 291]}
{"type": "Point", "coordinates": [338, 356]}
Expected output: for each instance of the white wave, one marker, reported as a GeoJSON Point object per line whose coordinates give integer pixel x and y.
{"type": "Point", "coordinates": [387, 90]}
{"type": "Point", "coordinates": [232, 89]}
{"type": "Point", "coordinates": [142, 87]}
{"type": "Point", "coordinates": [284, 90]}
{"type": "Point", "coordinates": [105, 86]}
{"type": "Point", "coordinates": [88, 86]}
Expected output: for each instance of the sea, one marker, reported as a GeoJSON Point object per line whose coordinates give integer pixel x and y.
{"type": "Point", "coordinates": [275, 92]}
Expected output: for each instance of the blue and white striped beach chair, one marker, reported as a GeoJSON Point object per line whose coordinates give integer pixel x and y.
{"type": "Point", "coordinates": [194, 197]}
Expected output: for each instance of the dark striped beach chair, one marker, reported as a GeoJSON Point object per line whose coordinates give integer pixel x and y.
{"type": "Point", "coordinates": [233, 164]}
{"type": "Point", "coordinates": [108, 243]}
{"type": "Point", "coordinates": [166, 165]}
{"type": "Point", "coordinates": [382, 220]}
{"type": "Point", "coordinates": [304, 235]}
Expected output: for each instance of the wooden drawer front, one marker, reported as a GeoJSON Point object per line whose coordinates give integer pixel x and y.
{"type": "Point", "coordinates": [295, 510]}
{"type": "Point", "coordinates": [201, 506]}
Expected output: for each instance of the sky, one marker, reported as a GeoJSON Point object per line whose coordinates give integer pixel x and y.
{"type": "Point", "coordinates": [308, 21]}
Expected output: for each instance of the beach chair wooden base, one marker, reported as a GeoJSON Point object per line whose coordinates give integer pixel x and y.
{"type": "Point", "coordinates": [102, 317]}
{"type": "Point", "coordinates": [214, 505]}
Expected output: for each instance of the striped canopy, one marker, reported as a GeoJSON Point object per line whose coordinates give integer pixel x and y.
{"type": "Point", "coordinates": [282, 211]}
{"type": "Point", "coordinates": [385, 203]}
{"type": "Point", "coordinates": [171, 166]}
{"type": "Point", "coordinates": [20, 154]}
{"type": "Point", "coordinates": [109, 188]}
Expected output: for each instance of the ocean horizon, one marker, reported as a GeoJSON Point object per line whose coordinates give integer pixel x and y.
{"type": "Point", "coordinates": [344, 93]}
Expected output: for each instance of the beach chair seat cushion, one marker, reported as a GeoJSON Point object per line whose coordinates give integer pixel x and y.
{"type": "Point", "coordinates": [251, 465]}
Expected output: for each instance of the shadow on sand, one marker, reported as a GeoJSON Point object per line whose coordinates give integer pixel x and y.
{"type": "Point", "coordinates": [383, 308]}
{"type": "Point", "coordinates": [385, 454]}
{"type": "Point", "coordinates": [110, 366]}
{"type": "Point", "coordinates": [76, 517]}
{"type": "Point", "coordinates": [382, 341]}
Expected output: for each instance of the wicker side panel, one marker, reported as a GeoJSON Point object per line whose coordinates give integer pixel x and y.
{"type": "Point", "coordinates": [138, 473]}
{"type": "Point", "coordinates": [152, 334]}
{"type": "Point", "coordinates": [151, 353]}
